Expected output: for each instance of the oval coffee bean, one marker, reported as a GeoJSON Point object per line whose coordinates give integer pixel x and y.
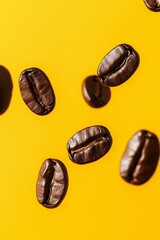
{"type": "Point", "coordinates": [140, 158]}
{"type": "Point", "coordinates": [94, 93]}
{"type": "Point", "coordinates": [118, 65]}
{"type": "Point", "coordinates": [89, 144]}
{"type": "Point", "coordinates": [36, 91]}
{"type": "Point", "coordinates": [6, 88]}
{"type": "Point", "coordinates": [52, 183]}
{"type": "Point", "coordinates": [153, 5]}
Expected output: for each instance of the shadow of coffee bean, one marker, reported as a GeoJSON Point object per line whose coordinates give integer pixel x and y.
{"type": "Point", "coordinates": [6, 87]}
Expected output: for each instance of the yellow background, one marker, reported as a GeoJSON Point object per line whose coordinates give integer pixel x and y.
{"type": "Point", "coordinates": [67, 40]}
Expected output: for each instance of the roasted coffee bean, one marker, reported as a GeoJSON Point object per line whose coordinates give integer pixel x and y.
{"type": "Point", "coordinates": [153, 5]}
{"type": "Point", "coordinates": [118, 65]}
{"type": "Point", "coordinates": [94, 93]}
{"type": "Point", "coordinates": [6, 87]}
{"type": "Point", "coordinates": [140, 158]}
{"type": "Point", "coordinates": [89, 144]}
{"type": "Point", "coordinates": [52, 183]}
{"type": "Point", "coordinates": [36, 91]}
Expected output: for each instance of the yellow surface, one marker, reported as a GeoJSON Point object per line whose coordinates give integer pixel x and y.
{"type": "Point", "coordinates": [67, 40]}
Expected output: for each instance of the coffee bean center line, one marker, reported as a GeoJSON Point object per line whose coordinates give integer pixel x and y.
{"type": "Point", "coordinates": [122, 64]}
{"type": "Point", "coordinates": [39, 99]}
{"type": "Point", "coordinates": [118, 67]}
{"type": "Point", "coordinates": [138, 158]}
{"type": "Point", "coordinates": [50, 191]}
{"type": "Point", "coordinates": [55, 188]}
{"type": "Point", "coordinates": [90, 144]}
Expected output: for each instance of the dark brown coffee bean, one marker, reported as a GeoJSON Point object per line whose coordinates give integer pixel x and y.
{"type": "Point", "coordinates": [118, 65]}
{"type": "Point", "coordinates": [52, 183]}
{"type": "Point", "coordinates": [94, 93]}
{"type": "Point", "coordinates": [6, 87]}
{"type": "Point", "coordinates": [140, 158]}
{"type": "Point", "coordinates": [89, 144]}
{"type": "Point", "coordinates": [36, 91]}
{"type": "Point", "coordinates": [153, 5]}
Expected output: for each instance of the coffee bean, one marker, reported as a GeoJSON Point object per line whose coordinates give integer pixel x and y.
{"type": "Point", "coordinates": [6, 87]}
{"type": "Point", "coordinates": [94, 93]}
{"type": "Point", "coordinates": [140, 158]}
{"type": "Point", "coordinates": [118, 65]}
{"type": "Point", "coordinates": [89, 144]}
{"type": "Point", "coordinates": [153, 5]}
{"type": "Point", "coordinates": [52, 183]}
{"type": "Point", "coordinates": [36, 91]}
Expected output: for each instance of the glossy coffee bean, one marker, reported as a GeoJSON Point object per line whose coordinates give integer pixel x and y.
{"type": "Point", "coordinates": [36, 91]}
{"type": "Point", "coordinates": [118, 65]}
{"type": "Point", "coordinates": [52, 183]}
{"type": "Point", "coordinates": [94, 93]}
{"type": "Point", "coordinates": [140, 158]}
{"type": "Point", "coordinates": [89, 144]}
{"type": "Point", "coordinates": [153, 5]}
